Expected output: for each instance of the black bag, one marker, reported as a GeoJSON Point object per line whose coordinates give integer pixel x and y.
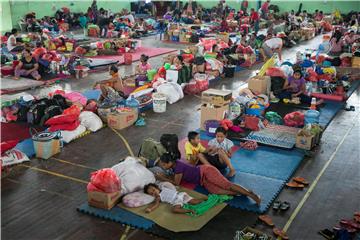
{"type": "Point", "coordinates": [50, 112]}
{"type": "Point", "coordinates": [194, 38]}
{"type": "Point", "coordinates": [22, 113]}
{"type": "Point", "coordinates": [170, 142]}
{"type": "Point", "coordinates": [60, 101]}
{"type": "Point", "coordinates": [36, 112]}
{"type": "Point", "coordinates": [229, 70]}
{"type": "Point", "coordinates": [277, 84]}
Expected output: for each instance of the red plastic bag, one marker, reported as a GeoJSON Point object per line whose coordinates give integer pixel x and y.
{"type": "Point", "coordinates": [104, 180]}
{"type": "Point", "coordinates": [8, 145]}
{"type": "Point", "coordinates": [252, 123]}
{"type": "Point", "coordinates": [275, 72]}
{"type": "Point", "coordinates": [294, 119]}
{"type": "Point", "coordinates": [73, 110]}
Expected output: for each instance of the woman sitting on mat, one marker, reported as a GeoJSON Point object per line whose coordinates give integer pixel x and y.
{"type": "Point", "coordinates": [113, 88]}
{"type": "Point", "coordinates": [167, 193]}
{"type": "Point", "coordinates": [205, 175]}
{"type": "Point", "coordinates": [27, 66]}
{"type": "Point", "coordinates": [295, 87]}
{"type": "Point", "coordinates": [143, 66]}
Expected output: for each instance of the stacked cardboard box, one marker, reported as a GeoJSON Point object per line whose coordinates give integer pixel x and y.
{"type": "Point", "coordinates": [214, 105]}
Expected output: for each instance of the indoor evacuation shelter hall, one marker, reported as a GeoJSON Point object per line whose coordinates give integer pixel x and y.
{"type": "Point", "coordinates": [180, 120]}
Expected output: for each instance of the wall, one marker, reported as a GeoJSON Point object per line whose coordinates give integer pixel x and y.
{"type": "Point", "coordinates": [5, 23]}
{"type": "Point", "coordinates": [45, 8]}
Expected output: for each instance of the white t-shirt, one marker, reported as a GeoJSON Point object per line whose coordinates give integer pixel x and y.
{"type": "Point", "coordinates": [10, 46]}
{"type": "Point", "coordinates": [274, 43]}
{"type": "Point", "coordinates": [130, 17]}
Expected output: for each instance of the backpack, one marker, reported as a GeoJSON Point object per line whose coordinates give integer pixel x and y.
{"type": "Point", "coordinates": [50, 112]}
{"type": "Point", "coordinates": [277, 84]}
{"type": "Point", "coordinates": [60, 101]}
{"type": "Point", "coordinates": [151, 149]}
{"type": "Point", "coordinates": [36, 111]}
{"type": "Point", "coordinates": [170, 142]}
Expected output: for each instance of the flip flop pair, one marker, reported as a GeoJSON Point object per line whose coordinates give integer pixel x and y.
{"type": "Point", "coordinates": [282, 206]}
{"type": "Point", "coordinates": [267, 220]}
{"type": "Point", "coordinates": [351, 108]}
{"type": "Point", "coordinates": [280, 233]}
{"type": "Point", "coordinates": [297, 182]}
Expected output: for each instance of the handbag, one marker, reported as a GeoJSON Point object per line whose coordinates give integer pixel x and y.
{"type": "Point", "coordinates": [46, 144]}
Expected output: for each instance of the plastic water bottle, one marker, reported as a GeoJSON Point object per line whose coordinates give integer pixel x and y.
{"type": "Point", "coordinates": [223, 87]}
{"type": "Point", "coordinates": [313, 104]}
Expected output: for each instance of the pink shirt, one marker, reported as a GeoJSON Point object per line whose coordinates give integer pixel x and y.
{"type": "Point", "coordinates": [265, 7]}
{"type": "Point", "coordinates": [144, 67]}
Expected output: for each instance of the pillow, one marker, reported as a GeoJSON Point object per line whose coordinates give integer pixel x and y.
{"type": "Point", "coordinates": [68, 136]}
{"type": "Point", "coordinates": [8, 145]}
{"type": "Point", "coordinates": [137, 199]}
{"type": "Point", "coordinates": [90, 120]}
{"type": "Point", "coordinates": [65, 126]}
{"type": "Point", "coordinates": [62, 119]}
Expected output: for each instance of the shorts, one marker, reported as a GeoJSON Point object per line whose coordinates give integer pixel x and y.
{"type": "Point", "coordinates": [267, 50]}
{"type": "Point", "coordinates": [181, 199]}
{"type": "Point", "coordinates": [215, 161]}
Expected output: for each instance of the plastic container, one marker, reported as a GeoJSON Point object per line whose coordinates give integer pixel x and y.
{"type": "Point", "coordinates": [312, 117]}
{"type": "Point", "coordinates": [159, 102]}
{"type": "Point", "coordinates": [210, 127]}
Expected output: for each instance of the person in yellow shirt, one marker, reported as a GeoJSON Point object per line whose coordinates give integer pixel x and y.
{"type": "Point", "coordinates": [194, 150]}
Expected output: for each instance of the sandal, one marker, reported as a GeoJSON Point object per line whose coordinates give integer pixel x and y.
{"type": "Point", "coordinates": [328, 234]}
{"type": "Point", "coordinates": [276, 205]}
{"type": "Point", "coordinates": [300, 180]}
{"type": "Point", "coordinates": [284, 206]}
{"type": "Point", "coordinates": [280, 233]}
{"type": "Point", "coordinates": [294, 185]}
{"type": "Point", "coordinates": [267, 220]}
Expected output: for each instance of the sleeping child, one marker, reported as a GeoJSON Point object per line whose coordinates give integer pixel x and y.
{"type": "Point", "coordinates": [167, 193]}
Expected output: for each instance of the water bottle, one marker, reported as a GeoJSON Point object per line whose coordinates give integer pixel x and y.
{"type": "Point", "coordinates": [313, 104]}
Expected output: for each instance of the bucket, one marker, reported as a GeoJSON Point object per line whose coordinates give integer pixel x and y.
{"type": "Point", "coordinates": [159, 102]}
{"type": "Point", "coordinates": [210, 127]}
{"type": "Point", "coordinates": [229, 71]}
{"type": "Point", "coordinates": [312, 117]}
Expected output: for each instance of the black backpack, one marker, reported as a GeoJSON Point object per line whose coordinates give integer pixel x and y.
{"type": "Point", "coordinates": [36, 111]}
{"type": "Point", "coordinates": [194, 38]}
{"type": "Point", "coordinates": [50, 112]}
{"type": "Point", "coordinates": [170, 142]}
{"type": "Point", "coordinates": [60, 101]}
{"type": "Point", "coordinates": [277, 84]}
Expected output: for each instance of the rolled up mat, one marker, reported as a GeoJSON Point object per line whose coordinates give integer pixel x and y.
{"type": "Point", "coordinates": [332, 97]}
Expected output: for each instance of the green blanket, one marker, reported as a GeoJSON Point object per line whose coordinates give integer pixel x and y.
{"type": "Point", "coordinates": [212, 201]}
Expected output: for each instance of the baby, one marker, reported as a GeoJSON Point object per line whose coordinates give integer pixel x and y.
{"type": "Point", "coordinates": [167, 193]}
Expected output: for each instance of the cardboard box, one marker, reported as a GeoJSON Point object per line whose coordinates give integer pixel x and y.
{"type": "Point", "coordinates": [355, 62]}
{"type": "Point", "coordinates": [121, 120]}
{"type": "Point", "coordinates": [216, 97]}
{"type": "Point", "coordinates": [182, 37]}
{"type": "Point", "coordinates": [260, 84]}
{"type": "Point", "coordinates": [304, 142]}
{"type": "Point", "coordinates": [103, 200]}
{"type": "Point", "coordinates": [343, 71]}
{"type": "Point", "coordinates": [212, 113]}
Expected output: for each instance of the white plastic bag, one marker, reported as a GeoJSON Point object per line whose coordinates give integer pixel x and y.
{"type": "Point", "coordinates": [173, 91]}
{"type": "Point", "coordinates": [172, 76]}
{"type": "Point", "coordinates": [133, 175]}
{"type": "Point", "coordinates": [12, 157]}
{"type": "Point", "coordinates": [90, 120]}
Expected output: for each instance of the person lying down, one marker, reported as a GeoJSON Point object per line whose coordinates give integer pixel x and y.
{"type": "Point", "coordinates": [166, 192]}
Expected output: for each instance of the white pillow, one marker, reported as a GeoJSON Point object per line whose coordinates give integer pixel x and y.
{"type": "Point", "coordinates": [137, 199]}
{"type": "Point", "coordinates": [133, 175]}
{"type": "Point", "coordinates": [90, 120]}
{"type": "Point", "coordinates": [68, 136]}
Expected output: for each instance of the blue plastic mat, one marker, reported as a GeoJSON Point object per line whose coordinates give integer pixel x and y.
{"type": "Point", "coordinates": [267, 188]}
{"type": "Point", "coordinates": [26, 147]}
{"type": "Point", "coordinates": [117, 214]}
{"type": "Point", "coordinates": [92, 94]}
{"type": "Point", "coordinates": [328, 112]}
{"type": "Point", "coordinates": [268, 162]}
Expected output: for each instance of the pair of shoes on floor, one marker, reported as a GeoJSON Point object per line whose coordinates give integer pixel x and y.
{"type": "Point", "coordinates": [282, 206]}
{"type": "Point", "coordinates": [297, 182]}
{"type": "Point", "coordinates": [269, 222]}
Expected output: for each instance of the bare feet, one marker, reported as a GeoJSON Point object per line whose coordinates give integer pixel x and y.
{"type": "Point", "coordinates": [231, 173]}
{"type": "Point", "coordinates": [255, 197]}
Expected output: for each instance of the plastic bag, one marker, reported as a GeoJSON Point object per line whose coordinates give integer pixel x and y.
{"type": "Point", "coordinates": [275, 72]}
{"type": "Point", "coordinates": [274, 118]}
{"type": "Point", "coordinates": [294, 119]}
{"type": "Point", "coordinates": [104, 180]}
